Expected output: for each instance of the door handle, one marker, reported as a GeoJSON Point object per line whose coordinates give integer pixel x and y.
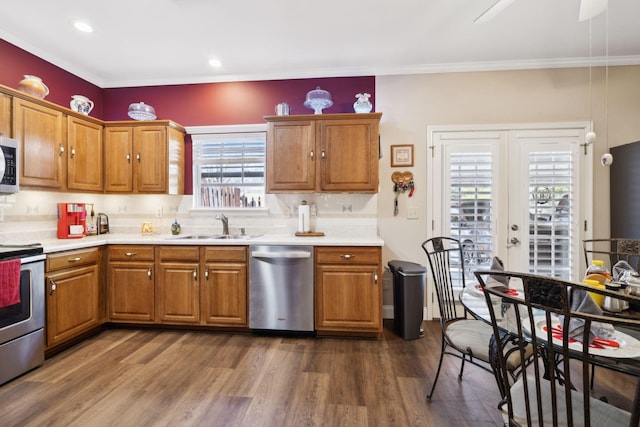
{"type": "Point", "coordinates": [514, 241]}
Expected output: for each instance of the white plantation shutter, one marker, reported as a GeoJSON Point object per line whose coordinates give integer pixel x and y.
{"type": "Point", "coordinates": [470, 187]}
{"type": "Point", "coordinates": [551, 210]}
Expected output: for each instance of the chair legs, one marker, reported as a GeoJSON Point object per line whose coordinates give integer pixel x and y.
{"type": "Point", "coordinates": [435, 380]}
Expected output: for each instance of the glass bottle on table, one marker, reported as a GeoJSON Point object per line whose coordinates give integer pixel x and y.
{"type": "Point", "coordinates": [597, 267]}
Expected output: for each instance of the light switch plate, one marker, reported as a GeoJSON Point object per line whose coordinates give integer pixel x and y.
{"type": "Point", "coordinates": [412, 213]}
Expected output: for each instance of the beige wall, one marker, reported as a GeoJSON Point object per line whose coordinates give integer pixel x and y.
{"type": "Point", "coordinates": [410, 103]}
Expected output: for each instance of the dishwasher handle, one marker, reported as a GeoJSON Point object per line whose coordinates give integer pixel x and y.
{"type": "Point", "coordinates": [282, 254]}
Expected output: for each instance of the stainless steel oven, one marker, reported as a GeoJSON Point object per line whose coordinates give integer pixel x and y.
{"type": "Point", "coordinates": [22, 323]}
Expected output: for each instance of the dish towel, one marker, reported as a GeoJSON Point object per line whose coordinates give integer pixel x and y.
{"type": "Point", "coordinates": [9, 282]}
{"type": "Point", "coordinates": [581, 301]}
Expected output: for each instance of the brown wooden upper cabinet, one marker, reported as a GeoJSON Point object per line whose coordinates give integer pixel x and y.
{"type": "Point", "coordinates": [144, 158]}
{"type": "Point", "coordinates": [323, 153]}
{"type": "Point", "coordinates": [84, 155]}
{"type": "Point", "coordinates": [41, 132]}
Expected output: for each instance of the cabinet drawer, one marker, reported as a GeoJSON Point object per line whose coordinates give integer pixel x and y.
{"type": "Point", "coordinates": [69, 259]}
{"type": "Point", "coordinates": [131, 253]}
{"type": "Point", "coordinates": [178, 253]}
{"type": "Point", "coordinates": [347, 255]}
{"type": "Point", "coordinates": [225, 253]}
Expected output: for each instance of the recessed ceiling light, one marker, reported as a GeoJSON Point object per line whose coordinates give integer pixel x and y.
{"type": "Point", "coordinates": [215, 63]}
{"type": "Point", "coordinates": [83, 26]}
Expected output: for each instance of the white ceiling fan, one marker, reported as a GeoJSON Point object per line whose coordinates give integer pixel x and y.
{"type": "Point", "coordinates": [588, 9]}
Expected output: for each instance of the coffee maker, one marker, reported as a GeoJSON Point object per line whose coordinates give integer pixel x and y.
{"type": "Point", "coordinates": [72, 218]}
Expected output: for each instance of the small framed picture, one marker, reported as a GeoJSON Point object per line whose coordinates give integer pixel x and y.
{"type": "Point", "coordinates": [401, 155]}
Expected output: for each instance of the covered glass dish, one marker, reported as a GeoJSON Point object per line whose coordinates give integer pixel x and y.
{"type": "Point", "coordinates": [318, 99]}
{"type": "Point", "coordinates": [142, 111]}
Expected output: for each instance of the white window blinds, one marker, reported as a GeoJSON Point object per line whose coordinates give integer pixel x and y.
{"type": "Point", "coordinates": [229, 170]}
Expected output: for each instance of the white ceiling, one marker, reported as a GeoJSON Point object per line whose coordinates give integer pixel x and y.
{"type": "Point", "coordinates": [157, 42]}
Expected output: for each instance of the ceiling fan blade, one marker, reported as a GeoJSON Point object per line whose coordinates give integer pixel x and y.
{"type": "Point", "coordinates": [591, 8]}
{"type": "Point", "coordinates": [494, 10]}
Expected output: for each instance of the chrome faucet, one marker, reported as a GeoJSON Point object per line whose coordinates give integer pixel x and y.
{"type": "Point", "coordinates": [225, 223]}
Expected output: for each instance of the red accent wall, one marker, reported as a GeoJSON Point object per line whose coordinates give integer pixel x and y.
{"type": "Point", "coordinates": [189, 105]}
{"type": "Point", "coordinates": [62, 84]}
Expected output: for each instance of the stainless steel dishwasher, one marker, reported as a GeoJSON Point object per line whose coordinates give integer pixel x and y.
{"type": "Point", "coordinates": [281, 288]}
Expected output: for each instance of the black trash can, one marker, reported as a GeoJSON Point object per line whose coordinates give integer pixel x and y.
{"type": "Point", "coordinates": [409, 281]}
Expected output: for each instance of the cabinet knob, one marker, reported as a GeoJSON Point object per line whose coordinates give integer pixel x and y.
{"type": "Point", "coordinates": [375, 278]}
{"type": "Point", "coordinates": [129, 157]}
{"type": "Point", "coordinates": [138, 157]}
{"type": "Point", "coordinates": [322, 154]}
{"type": "Point", "coordinates": [149, 273]}
{"type": "Point", "coordinates": [130, 254]}
{"type": "Point", "coordinates": [61, 150]}
{"type": "Point", "coordinates": [311, 154]}
{"type": "Point", "coordinates": [195, 274]}
{"type": "Point", "coordinates": [53, 287]}
{"type": "Point", "coordinates": [206, 274]}
{"type": "Point", "coordinates": [73, 152]}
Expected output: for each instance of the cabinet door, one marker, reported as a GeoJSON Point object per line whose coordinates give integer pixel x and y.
{"type": "Point", "coordinates": [348, 298]}
{"type": "Point", "coordinates": [178, 293]}
{"type": "Point", "coordinates": [131, 292]}
{"type": "Point", "coordinates": [84, 146]}
{"type": "Point", "coordinates": [349, 155]}
{"type": "Point", "coordinates": [41, 132]}
{"type": "Point", "coordinates": [118, 160]}
{"type": "Point", "coordinates": [5, 115]}
{"type": "Point", "coordinates": [291, 156]}
{"type": "Point", "coordinates": [224, 294]}
{"type": "Point", "coordinates": [72, 303]}
{"type": "Point", "coordinates": [150, 167]}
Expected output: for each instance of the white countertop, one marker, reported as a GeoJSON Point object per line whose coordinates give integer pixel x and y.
{"type": "Point", "coordinates": [57, 245]}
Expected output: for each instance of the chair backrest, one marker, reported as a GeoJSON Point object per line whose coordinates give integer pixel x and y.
{"type": "Point", "coordinates": [612, 250]}
{"type": "Point", "coordinates": [446, 263]}
{"type": "Point", "coordinates": [547, 310]}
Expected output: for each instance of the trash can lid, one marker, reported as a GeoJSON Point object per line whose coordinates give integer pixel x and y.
{"type": "Point", "coordinates": [406, 267]}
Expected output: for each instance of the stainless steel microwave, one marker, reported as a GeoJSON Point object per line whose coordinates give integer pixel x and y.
{"type": "Point", "coordinates": [9, 165]}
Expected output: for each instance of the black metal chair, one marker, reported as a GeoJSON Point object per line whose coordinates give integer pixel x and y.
{"type": "Point", "coordinates": [554, 389]}
{"type": "Point", "coordinates": [469, 338]}
{"type": "Point", "coordinates": [612, 250]}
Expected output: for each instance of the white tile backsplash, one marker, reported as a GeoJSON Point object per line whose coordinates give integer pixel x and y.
{"type": "Point", "coordinates": [32, 215]}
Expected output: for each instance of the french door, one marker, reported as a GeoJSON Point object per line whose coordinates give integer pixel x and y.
{"type": "Point", "coordinates": [516, 192]}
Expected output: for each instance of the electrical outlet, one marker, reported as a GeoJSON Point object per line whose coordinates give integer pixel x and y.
{"type": "Point", "coordinates": [158, 212]}
{"type": "Point", "coordinates": [412, 213]}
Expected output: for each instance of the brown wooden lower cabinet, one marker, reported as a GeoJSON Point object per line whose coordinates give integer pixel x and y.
{"type": "Point", "coordinates": [208, 286]}
{"type": "Point", "coordinates": [131, 277]}
{"type": "Point", "coordinates": [73, 293]}
{"type": "Point", "coordinates": [223, 291]}
{"type": "Point", "coordinates": [348, 290]}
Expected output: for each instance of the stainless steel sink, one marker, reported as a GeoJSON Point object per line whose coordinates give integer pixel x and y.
{"type": "Point", "coordinates": [218, 236]}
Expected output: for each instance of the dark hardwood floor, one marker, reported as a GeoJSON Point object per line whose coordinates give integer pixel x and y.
{"type": "Point", "coordinates": [124, 377]}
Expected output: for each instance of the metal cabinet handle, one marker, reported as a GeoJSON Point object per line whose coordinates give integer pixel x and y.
{"type": "Point", "coordinates": [61, 150]}
{"type": "Point", "coordinates": [375, 278]}
{"type": "Point", "coordinates": [129, 157]}
{"type": "Point", "coordinates": [76, 259]}
{"type": "Point", "coordinates": [195, 274]}
{"type": "Point", "coordinates": [206, 273]}
{"type": "Point", "coordinates": [149, 273]}
{"type": "Point", "coordinates": [73, 152]}
{"type": "Point", "coordinates": [138, 157]}
{"type": "Point", "coordinates": [130, 254]}
{"type": "Point", "coordinates": [53, 287]}
{"type": "Point", "coordinates": [347, 256]}
{"type": "Point", "coordinates": [322, 153]}
{"type": "Point", "coordinates": [311, 154]}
